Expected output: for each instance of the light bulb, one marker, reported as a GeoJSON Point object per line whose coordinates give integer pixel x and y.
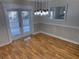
{"type": "Point", "coordinates": [47, 12]}
{"type": "Point", "coordinates": [40, 12]}
{"type": "Point", "coordinates": [43, 13]}
{"type": "Point", "coordinates": [64, 12]}
{"type": "Point", "coordinates": [35, 13]}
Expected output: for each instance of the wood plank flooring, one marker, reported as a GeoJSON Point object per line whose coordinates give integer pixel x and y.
{"type": "Point", "coordinates": [40, 46]}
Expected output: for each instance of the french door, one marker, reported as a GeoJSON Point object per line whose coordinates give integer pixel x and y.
{"type": "Point", "coordinates": [19, 23]}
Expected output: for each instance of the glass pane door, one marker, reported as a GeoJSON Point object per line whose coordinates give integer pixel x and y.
{"type": "Point", "coordinates": [14, 23]}
{"type": "Point", "coordinates": [26, 21]}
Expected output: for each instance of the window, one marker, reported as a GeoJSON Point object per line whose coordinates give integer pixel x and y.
{"type": "Point", "coordinates": [57, 12]}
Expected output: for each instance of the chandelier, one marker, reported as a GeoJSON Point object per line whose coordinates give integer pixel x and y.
{"type": "Point", "coordinates": [39, 8]}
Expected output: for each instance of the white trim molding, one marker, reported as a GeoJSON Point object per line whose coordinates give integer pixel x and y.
{"type": "Point", "coordinates": [4, 44]}
{"type": "Point", "coordinates": [60, 37]}
{"type": "Point", "coordinates": [74, 27]}
{"type": "Point", "coordinates": [36, 33]}
{"type": "Point", "coordinates": [28, 38]}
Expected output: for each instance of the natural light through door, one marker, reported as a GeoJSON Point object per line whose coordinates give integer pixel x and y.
{"type": "Point", "coordinates": [19, 23]}
{"type": "Point", "coordinates": [25, 18]}
{"type": "Point", "coordinates": [14, 23]}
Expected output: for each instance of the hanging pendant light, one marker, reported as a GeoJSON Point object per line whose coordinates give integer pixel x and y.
{"type": "Point", "coordinates": [41, 11]}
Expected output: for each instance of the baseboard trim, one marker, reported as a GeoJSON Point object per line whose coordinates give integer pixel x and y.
{"type": "Point", "coordinates": [4, 44]}
{"type": "Point", "coordinates": [28, 38]}
{"type": "Point", "coordinates": [59, 37]}
{"type": "Point", "coordinates": [36, 33]}
{"type": "Point", "coordinates": [65, 39]}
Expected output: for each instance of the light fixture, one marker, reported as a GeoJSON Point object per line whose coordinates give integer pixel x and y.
{"type": "Point", "coordinates": [39, 8]}
{"type": "Point", "coordinates": [64, 12]}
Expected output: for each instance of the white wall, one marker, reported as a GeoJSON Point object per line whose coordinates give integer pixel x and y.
{"type": "Point", "coordinates": [67, 29]}
{"type": "Point", "coordinates": [4, 37]}
{"type": "Point", "coordinates": [72, 13]}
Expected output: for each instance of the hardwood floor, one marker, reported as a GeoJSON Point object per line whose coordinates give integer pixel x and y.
{"type": "Point", "coordinates": [40, 46]}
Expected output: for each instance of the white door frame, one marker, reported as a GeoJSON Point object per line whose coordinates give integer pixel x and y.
{"type": "Point", "coordinates": [30, 22]}
{"type": "Point", "coordinates": [19, 16]}
{"type": "Point", "coordinates": [16, 37]}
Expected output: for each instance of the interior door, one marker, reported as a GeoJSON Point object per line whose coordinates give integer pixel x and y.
{"type": "Point", "coordinates": [19, 23]}
{"type": "Point", "coordinates": [26, 22]}
{"type": "Point", "coordinates": [14, 24]}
